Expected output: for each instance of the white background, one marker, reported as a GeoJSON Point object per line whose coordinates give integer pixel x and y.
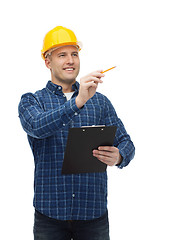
{"type": "Point", "coordinates": [139, 37]}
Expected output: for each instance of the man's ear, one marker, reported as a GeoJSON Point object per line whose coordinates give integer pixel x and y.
{"type": "Point", "coordinates": [47, 63]}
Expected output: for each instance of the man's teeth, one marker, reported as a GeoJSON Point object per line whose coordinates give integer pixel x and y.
{"type": "Point", "coordinates": [69, 69]}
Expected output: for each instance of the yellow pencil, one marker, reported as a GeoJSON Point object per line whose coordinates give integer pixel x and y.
{"type": "Point", "coordinates": [108, 69]}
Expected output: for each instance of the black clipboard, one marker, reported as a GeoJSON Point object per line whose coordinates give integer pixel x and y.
{"type": "Point", "coordinates": [78, 157]}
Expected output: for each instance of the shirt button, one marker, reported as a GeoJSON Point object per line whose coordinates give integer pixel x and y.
{"type": "Point", "coordinates": [76, 113]}
{"type": "Point", "coordinates": [64, 124]}
{"type": "Point", "coordinates": [59, 87]}
{"type": "Point", "coordinates": [73, 195]}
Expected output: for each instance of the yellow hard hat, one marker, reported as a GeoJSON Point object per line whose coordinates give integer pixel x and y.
{"type": "Point", "coordinates": [57, 37]}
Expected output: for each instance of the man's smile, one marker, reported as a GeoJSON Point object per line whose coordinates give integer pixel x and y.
{"type": "Point", "coordinates": [69, 69]}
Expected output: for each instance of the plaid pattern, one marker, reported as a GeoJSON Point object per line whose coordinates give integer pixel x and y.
{"type": "Point", "coordinates": [46, 116]}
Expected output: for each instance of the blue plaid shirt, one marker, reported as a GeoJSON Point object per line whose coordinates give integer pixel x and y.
{"type": "Point", "coordinates": [46, 116]}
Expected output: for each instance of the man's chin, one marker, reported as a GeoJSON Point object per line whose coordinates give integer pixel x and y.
{"type": "Point", "coordinates": [68, 81]}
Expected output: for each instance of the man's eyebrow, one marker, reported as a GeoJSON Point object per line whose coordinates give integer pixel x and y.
{"type": "Point", "coordinates": [62, 53]}
{"type": "Point", "coordinates": [66, 52]}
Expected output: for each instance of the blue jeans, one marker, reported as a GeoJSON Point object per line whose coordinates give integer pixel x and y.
{"type": "Point", "coordinates": [46, 228]}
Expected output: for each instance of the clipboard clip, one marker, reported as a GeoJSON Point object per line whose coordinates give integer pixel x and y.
{"type": "Point", "coordinates": [93, 126]}
{"type": "Point", "coordinates": [99, 126]}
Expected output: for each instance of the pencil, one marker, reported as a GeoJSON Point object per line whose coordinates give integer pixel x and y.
{"type": "Point", "coordinates": [108, 69]}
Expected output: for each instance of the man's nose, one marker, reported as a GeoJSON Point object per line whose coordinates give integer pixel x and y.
{"type": "Point", "coordinates": [70, 59]}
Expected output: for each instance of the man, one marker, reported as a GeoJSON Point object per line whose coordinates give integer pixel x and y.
{"type": "Point", "coordinates": [69, 206]}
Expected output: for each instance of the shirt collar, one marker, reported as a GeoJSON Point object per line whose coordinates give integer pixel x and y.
{"type": "Point", "coordinates": [57, 89]}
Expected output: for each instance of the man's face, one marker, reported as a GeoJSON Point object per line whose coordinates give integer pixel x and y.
{"type": "Point", "coordinates": [64, 64]}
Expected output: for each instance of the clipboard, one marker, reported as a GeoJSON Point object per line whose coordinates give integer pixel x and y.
{"type": "Point", "coordinates": [78, 157]}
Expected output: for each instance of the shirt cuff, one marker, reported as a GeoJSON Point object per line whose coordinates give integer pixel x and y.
{"type": "Point", "coordinates": [123, 162]}
{"type": "Point", "coordinates": [71, 109]}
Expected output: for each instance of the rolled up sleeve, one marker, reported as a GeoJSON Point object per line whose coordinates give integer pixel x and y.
{"type": "Point", "coordinates": [122, 139]}
{"type": "Point", "coordinates": [41, 124]}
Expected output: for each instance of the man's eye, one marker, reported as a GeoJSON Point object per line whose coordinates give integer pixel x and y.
{"type": "Point", "coordinates": [61, 55]}
{"type": "Point", "coordinates": [75, 54]}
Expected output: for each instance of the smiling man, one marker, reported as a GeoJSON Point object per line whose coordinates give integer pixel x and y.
{"type": "Point", "coordinates": [64, 64]}
{"type": "Point", "coordinates": [69, 206]}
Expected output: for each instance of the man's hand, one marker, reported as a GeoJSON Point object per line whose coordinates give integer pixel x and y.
{"type": "Point", "coordinates": [88, 86]}
{"type": "Point", "coordinates": [108, 155]}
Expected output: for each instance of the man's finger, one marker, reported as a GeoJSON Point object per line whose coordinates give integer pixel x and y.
{"type": "Point", "coordinates": [107, 148]}
{"type": "Point", "coordinates": [103, 153]}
